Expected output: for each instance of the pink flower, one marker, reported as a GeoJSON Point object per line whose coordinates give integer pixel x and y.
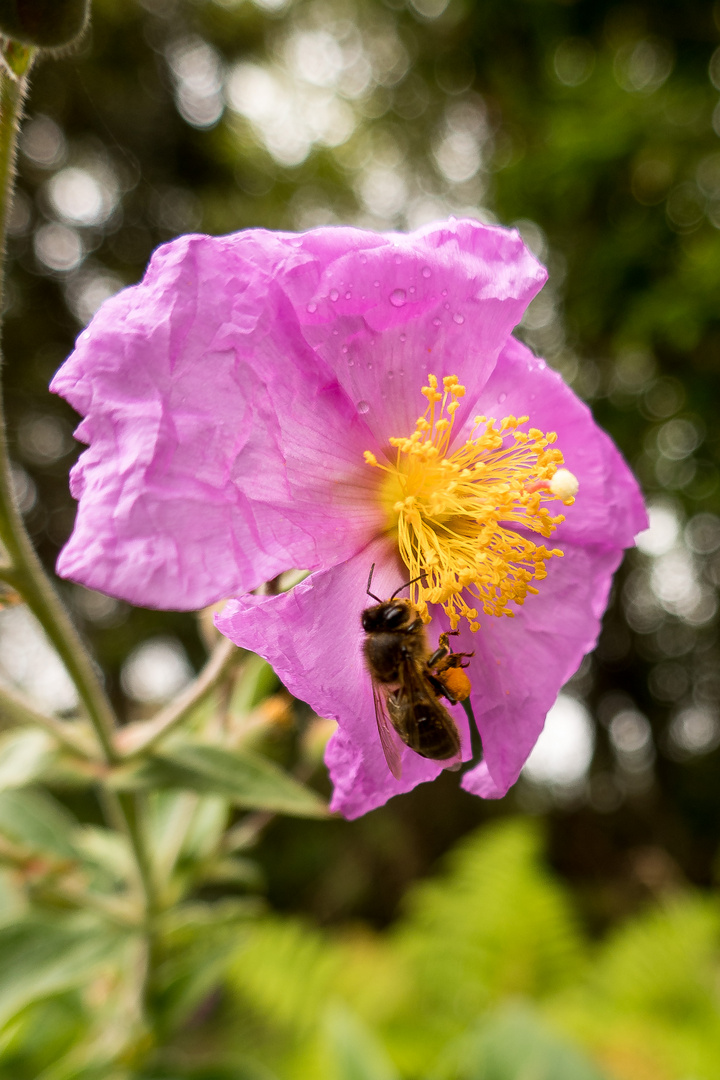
{"type": "Point", "coordinates": [239, 408]}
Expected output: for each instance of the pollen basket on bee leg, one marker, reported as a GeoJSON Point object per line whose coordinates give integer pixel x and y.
{"type": "Point", "coordinates": [456, 509]}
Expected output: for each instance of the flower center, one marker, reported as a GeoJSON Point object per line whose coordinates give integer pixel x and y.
{"type": "Point", "coordinates": [457, 514]}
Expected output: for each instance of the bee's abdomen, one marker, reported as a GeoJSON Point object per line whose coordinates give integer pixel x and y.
{"type": "Point", "coordinates": [425, 726]}
{"type": "Point", "coordinates": [435, 740]}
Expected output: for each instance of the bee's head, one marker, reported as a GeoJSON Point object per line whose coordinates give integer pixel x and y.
{"type": "Point", "coordinates": [387, 617]}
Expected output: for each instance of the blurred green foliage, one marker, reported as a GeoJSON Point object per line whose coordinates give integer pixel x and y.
{"type": "Point", "coordinates": [487, 975]}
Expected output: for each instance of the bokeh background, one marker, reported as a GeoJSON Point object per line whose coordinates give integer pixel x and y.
{"type": "Point", "coordinates": [594, 128]}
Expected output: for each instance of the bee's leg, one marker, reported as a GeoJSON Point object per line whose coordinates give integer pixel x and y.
{"type": "Point", "coordinates": [440, 689]}
{"type": "Point", "coordinates": [456, 659]}
{"type": "Point", "coordinates": [443, 648]}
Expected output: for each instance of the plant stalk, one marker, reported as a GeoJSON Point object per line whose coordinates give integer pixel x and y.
{"type": "Point", "coordinates": [25, 572]}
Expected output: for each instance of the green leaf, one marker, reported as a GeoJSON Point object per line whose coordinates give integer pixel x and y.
{"type": "Point", "coordinates": [36, 822]}
{"type": "Point", "coordinates": [354, 1051]}
{"type": "Point", "coordinates": [40, 959]}
{"type": "Point", "coordinates": [246, 779]}
{"type": "Point", "coordinates": [24, 755]}
{"type": "Point", "coordinates": [514, 1044]}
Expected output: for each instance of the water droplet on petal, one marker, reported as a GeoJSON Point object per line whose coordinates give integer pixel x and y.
{"type": "Point", "coordinates": [391, 374]}
{"type": "Point", "coordinates": [426, 271]}
{"type": "Point", "coordinates": [398, 297]}
{"type": "Point", "coordinates": [398, 259]}
{"type": "Point", "coordinates": [458, 318]}
{"type": "Point", "coordinates": [312, 307]}
{"type": "Point", "coordinates": [369, 365]}
{"type": "Point", "coordinates": [436, 321]}
{"type": "Point", "coordinates": [501, 397]}
{"type": "Point", "coordinates": [344, 348]}
{"type": "Point", "coordinates": [336, 332]}
{"type": "Point", "coordinates": [351, 362]}
{"type": "Point", "coordinates": [348, 294]}
{"type": "Point", "coordinates": [446, 306]}
{"type": "Point", "coordinates": [411, 290]}
{"type": "Point", "coordinates": [403, 337]}
{"type": "Point", "coordinates": [444, 292]}
{"type": "Point", "coordinates": [334, 295]}
{"type": "Point", "coordinates": [376, 284]}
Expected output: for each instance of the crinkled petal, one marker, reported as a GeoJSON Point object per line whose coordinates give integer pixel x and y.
{"type": "Point", "coordinates": [385, 311]}
{"type": "Point", "coordinates": [521, 663]}
{"type": "Point", "coordinates": [222, 450]}
{"type": "Point", "coordinates": [609, 507]}
{"type": "Point", "coordinates": [313, 638]}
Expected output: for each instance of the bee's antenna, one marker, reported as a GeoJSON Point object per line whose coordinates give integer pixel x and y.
{"type": "Point", "coordinates": [420, 577]}
{"type": "Point", "coordinates": [370, 577]}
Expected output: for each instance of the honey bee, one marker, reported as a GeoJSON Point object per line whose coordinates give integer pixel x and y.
{"type": "Point", "coordinates": [408, 681]}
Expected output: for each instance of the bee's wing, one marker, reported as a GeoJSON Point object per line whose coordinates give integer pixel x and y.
{"type": "Point", "coordinates": [388, 738]}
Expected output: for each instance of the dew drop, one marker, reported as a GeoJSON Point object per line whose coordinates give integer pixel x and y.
{"type": "Point", "coordinates": [446, 306]}
{"type": "Point", "coordinates": [312, 307]}
{"type": "Point", "coordinates": [458, 318]}
{"type": "Point", "coordinates": [348, 294]}
{"type": "Point", "coordinates": [391, 374]}
{"type": "Point", "coordinates": [369, 365]}
{"type": "Point", "coordinates": [403, 337]}
{"type": "Point", "coordinates": [411, 290]}
{"type": "Point", "coordinates": [351, 362]}
{"type": "Point", "coordinates": [426, 272]}
{"type": "Point", "coordinates": [334, 295]}
{"type": "Point", "coordinates": [398, 297]}
{"type": "Point", "coordinates": [436, 321]}
{"type": "Point", "coordinates": [376, 284]}
{"type": "Point", "coordinates": [344, 349]}
{"type": "Point", "coordinates": [444, 292]}
{"type": "Point", "coordinates": [336, 332]}
{"type": "Point", "coordinates": [501, 397]}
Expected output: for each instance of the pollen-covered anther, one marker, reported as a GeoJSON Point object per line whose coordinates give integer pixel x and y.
{"type": "Point", "coordinates": [456, 510]}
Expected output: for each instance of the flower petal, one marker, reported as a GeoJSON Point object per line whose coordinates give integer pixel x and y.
{"type": "Point", "coordinates": [608, 508]}
{"type": "Point", "coordinates": [222, 450]}
{"type": "Point", "coordinates": [385, 311]}
{"type": "Point", "coordinates": [313, 639]}
{"type": "Point", "coordinates": [521, 663]}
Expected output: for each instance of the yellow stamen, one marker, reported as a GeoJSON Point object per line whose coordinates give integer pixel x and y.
{"type": "Point", "coordinates": [456, 514]}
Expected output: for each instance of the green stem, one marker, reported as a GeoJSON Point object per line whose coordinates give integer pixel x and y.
{"type": "Point", "coordinates": [26, 573]}
{"type": "Point", "coordinates": [128, 811]}
{"type": "Point", "coordinates": [15, 708]}
{"type": "Point", "coordinates": [139, 739]}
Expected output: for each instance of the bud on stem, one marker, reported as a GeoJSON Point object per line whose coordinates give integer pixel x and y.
{"type": "Point", "coordinates": [47, 24]}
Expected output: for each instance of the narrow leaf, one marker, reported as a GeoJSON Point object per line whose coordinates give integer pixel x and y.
{"type": "Point", "coordinates": [41, 959]}
{"type": "Point", "coordinates": [355, 1051]}
{"type": "Point", "coordinates": [24, 756]}
{"type": "Point", "coordinates": [34, 821]}
{"type": "Point", "coordinates": [246, 779]}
